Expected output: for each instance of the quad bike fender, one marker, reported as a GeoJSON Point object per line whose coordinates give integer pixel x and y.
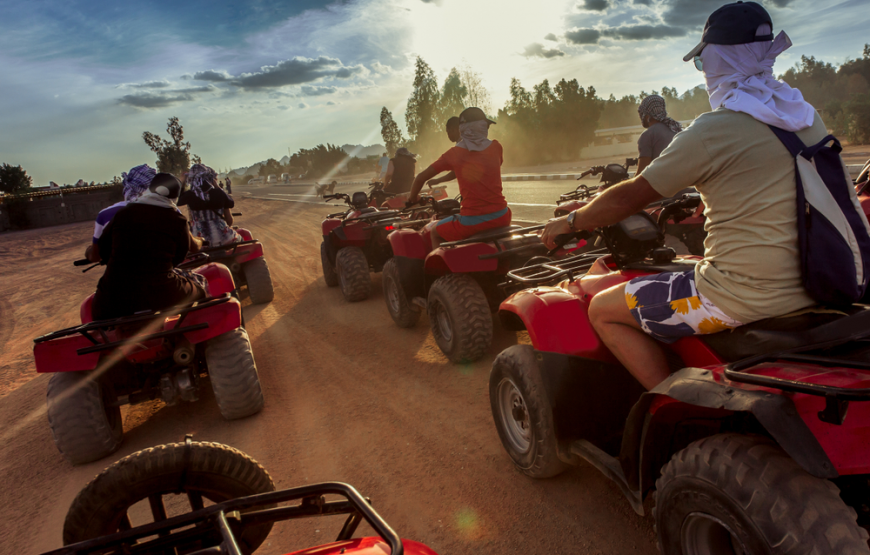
{"type": "Point", "coordinates": [246, 253]}
{"type": "Point", "coordinates": [557, 321]}
{"type": "Point", "coordinates": [60, 355]}
{"type": "Point", "coordinates": [328, 225]}
{"type": "Point", "coordinates": [461, 260]}
{"type": "Point", "coordinates": [364, 546]}
{"type": "Point", "coordinates": [219, 278]}
{"type": "Point", "coordinates": [695, 394]}
{"type": "Point", "coordinates": [220, 318]}
{"type": "Point", "coordinates": [408, 243]}
{"type": "Point", "coordinates": [245, 234]}
{"type": "Point", "coordinates": [86, 309]}
{"type": "Point", "coordinates": [355, 234]}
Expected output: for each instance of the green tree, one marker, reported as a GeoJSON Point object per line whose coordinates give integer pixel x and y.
{"type": "Point", "coordinates": [271, 167]}
{"type": "Point", "coordinates": [421, 114]}
{"type": "Point", "coordinates": [14, 179]}
{"type": "Point", "coordinates": [172, 156]}
{"type": "Point", "coordinates": [390, 132]}
{"type": "Point", "coordinates": [476, 94]}
{"type": "Point", "coordinates": [321, 160]}
{"type": "Point", "coordinates": [452, 100]}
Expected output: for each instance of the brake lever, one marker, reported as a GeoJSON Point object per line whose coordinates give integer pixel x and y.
{"type": "Point", "coordinates": [562, 240]}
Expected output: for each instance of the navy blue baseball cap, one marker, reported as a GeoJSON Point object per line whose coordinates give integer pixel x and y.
{"type": "Point", "coordinates": [735, 23]}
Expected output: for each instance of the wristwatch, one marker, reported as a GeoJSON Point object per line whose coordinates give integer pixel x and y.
{"type": "Point", "coordinates": [571, 220]}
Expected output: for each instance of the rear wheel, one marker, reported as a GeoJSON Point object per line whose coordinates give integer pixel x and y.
{"type": "Point", "coordinates": [83, 422]}
{"type": "Point", "coordinates": [522, 414]}
{"type": "Point", "coordinates": [353, 274]}
{"type": "Point", "coordinates": [735, 494]}
{"type": "Point", "coordinates": [329, 275]}
{"type": "Point", "coordinates": [460, 318]}
{"type": "Point", "coordinates": [403, 312]}
{"type": "Point", "coordinates": [259, 280]}
{"type": "Point", "coordinates": [208, 471]}
{"type": "Point", "coordinates": [233, 374]}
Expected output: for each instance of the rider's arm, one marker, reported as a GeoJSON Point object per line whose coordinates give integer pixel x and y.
{"type": "Point", "coordinates": [228, 216]}
{"type": "Point", "coordinates": [389, 175]}
{"type": "Point", "coordinates": [612, 206]}
{"type": "Point", "coordinates": [92, 253]}
{"type": "Point", "coordinates": [449, 177]}
{"type": "Point", "coordinates": [419, 181]}
{"type": "Point", "coordinates": [194, 244]}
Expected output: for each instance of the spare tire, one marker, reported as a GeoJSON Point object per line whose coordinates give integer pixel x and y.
{"type": "Point", "coordinates": [200, 471]}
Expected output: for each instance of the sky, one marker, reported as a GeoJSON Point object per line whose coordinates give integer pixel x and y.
{"type": "Point", "coordinates": [81, 80]}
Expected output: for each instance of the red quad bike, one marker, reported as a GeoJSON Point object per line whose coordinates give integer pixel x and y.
{"type": "Point", "coordinates": [687, 226]}
{"type": "Point", "coordinates": [456, 283]}
{"type": "Point", "coordinates": [248, 265]}
{"type": "Point", "coordinates": [178, 478]}
{"type": "Point", "coordinates": [101, 365]}
{"type": "Point", "coordinates": [355, 244]}
{"type": "Point", "coordinates": [758, 443]}
{"type": "Point", "coordinates": [379, 199]}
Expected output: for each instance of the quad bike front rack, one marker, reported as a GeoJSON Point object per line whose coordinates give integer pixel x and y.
{"type": "Point", "coordinates": [551, 272]}
{"type": "Point", "coordinates": [101, 326]}
{"type": "Point", "coordinates": [845, 330]}
{"type": "Point", "coordinates": [213, 529]}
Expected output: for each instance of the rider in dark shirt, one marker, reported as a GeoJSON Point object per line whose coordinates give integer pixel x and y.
{"type": "Point", "coordinates": [141, 246]}
{"type": "Point", "coordinates": [400, 172]}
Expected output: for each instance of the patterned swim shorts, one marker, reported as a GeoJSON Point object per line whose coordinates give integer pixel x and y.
{"type": "Point", "coordinates": [668, 306]}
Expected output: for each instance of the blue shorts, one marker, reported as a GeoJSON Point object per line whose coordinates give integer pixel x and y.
{"type": "Point", "coordinates": [668, 306]}
{"type": "Point", "coordinates": [456, 227]}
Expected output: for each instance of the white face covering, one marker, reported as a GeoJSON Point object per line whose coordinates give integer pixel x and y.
{"type": "Point", "coordinates": [155, 199]}
{"type": "Point", "coordinates": [740, 77]}
{"type": "Point", "coordinates": [474, 135]}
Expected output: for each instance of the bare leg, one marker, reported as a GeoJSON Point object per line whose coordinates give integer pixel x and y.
{"type": "Point", "coordinates": [636, 350]}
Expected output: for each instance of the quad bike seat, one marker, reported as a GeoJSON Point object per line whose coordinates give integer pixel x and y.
{"type": "Point", "coordinates": [807, 327]}
{"type": "Point", "coordinates": [490, 233]}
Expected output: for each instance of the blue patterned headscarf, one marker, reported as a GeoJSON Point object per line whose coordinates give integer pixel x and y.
{"type": "Point", "coordinates": [201, 179]}
{"type": "Point", "coordinates": [136, 181]}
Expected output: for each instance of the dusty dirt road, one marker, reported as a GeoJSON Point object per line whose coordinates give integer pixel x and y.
{"type": "Point", "coordinates": [349, 397]}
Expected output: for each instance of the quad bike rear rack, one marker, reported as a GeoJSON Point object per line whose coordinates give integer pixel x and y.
{"type": "Point", "coordinates": [100, 326]}
{"type": "Point", "coordinates": [845, 330]}
{"type": "Point", "coordinates": [231, 247]}
{"type": "Point", "coordinates": [214, 529]}
{"type": "Point", "coordinates": [550, 272]}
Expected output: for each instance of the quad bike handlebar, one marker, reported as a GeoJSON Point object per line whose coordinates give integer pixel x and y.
{"type": "Point", "coordinates": [677, 208]}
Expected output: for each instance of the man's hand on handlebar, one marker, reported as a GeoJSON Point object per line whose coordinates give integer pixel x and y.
{"type": "Point", "coordinates": [554, 228]}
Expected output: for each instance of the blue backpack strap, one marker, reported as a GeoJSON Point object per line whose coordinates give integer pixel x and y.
{"type": "Point", "coordinates": [790, 139]}
{"type": "Point", "coordinates": [811, 151]}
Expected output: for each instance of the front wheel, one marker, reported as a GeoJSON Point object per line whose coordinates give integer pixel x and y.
{"type": "Point", "coordinates": [233, 374]}
{"type": "Point", "coordinates": [353, 274]}
{"type": "Point", "coordinates": [522, 414]}
{"type": "Point", "coordinates": [259, 280]}
{"type": "Point", "coordinates": [403, 312]}
{"type": "Point", "coordinates": [198, 471]}
{"type": "Point", "coordinates": [460, 318]}
{"type": "Point", "coordinates": [736, 494]}
{"type": "Point", "coordinates": [84, 422]}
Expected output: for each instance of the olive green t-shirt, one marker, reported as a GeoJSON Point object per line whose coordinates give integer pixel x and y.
{"type": "Point", "coordinates": [751, 267]}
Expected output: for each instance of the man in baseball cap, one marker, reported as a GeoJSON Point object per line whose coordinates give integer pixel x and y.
{"type": "Point", "coordinates": [751, 268]}
{"type": "Point", "coordinates": [476, 161]}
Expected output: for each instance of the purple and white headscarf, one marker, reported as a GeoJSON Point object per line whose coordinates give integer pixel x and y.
{"type": "Point", "coordinates": [201, 179]}
{"type": "Point", "coordinates": [136, 181]}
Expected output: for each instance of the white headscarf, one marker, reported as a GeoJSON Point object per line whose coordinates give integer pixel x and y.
{"type": "Point", "coordinates": [474, 135]}
{"type": "Point", "coordinates": [740, 77]}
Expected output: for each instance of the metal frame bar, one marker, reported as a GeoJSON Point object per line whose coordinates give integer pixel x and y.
{"type": "Point", "coordinates": [496, 237]}
{"type": "Point", "coordinates": [101, 325]}
{"type": "Point", "coordinates": [212, 524]}
{"type": "Point", "coordinates": [140, 338]}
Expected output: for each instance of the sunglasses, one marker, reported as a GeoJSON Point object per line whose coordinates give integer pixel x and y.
{"type": "Point", "coordinates": [699, 65]}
